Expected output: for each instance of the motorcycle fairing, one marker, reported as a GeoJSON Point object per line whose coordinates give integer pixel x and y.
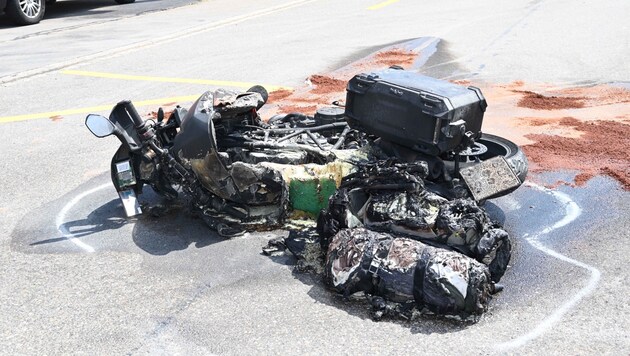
{"type": "Point", "coordinates": [212, 112]}
{"type": "Point", "coordinates": [126, 132]}
{"type": "Point", "coordinates": [197, 147]}
{"type": "Point", "coordinates": [124, 172]}
{"type": "Point", "coordinates": [122, 155]}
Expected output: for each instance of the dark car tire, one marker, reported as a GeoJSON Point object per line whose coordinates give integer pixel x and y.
{"type": "Point", "coordinates": [28, 13]}
{"type": "Point", "coordinates": [125, 1]}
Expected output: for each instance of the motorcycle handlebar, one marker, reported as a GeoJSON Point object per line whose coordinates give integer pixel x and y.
{"type": "Point", "coordinates": [144, 131]}
{"type": "Point", "coordinates": [133, 113]}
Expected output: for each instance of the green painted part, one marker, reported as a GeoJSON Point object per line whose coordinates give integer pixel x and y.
{"type": "Point", "coordinates": [311, 195]}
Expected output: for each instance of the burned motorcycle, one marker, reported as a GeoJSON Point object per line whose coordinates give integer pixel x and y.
{"type": "Point", "coordinates": [394, 179]}
{"type": "Point", "coordinates": [235, 169]}
{"type": "Point", "coordinates": [243, 173]}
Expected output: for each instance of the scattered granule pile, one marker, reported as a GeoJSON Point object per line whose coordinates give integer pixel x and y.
{"type": "Point", "coordinates": [330, 87]}
{"type": "Point", "coordinates": [534, 121]}
{"type": "Point", "coordinates": [582, 178]}
{"type": "Point", "coordinates": [327, 85]}
{"type": "Point", "coordinates": [601, 149]}
{"type": "Point", "coordinates": [537, 101]}
{"type": "Point", "coordinates": [392, 57]}
{"type": "Point", "coordinates": [620, 175]}
{"type": "Point", "coordinates": [600, 94]}
{"type": "Point", "coordinates": [278, 95]}
{"type": "Point", "coordinates": [460, 82]}
{"type": "Point", "coordinates": [287, 109]}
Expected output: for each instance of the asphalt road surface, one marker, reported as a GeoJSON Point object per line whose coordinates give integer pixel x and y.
{"type": "Point", "coordinates": [77, 277]}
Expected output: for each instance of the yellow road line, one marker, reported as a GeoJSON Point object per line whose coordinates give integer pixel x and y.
{"type": "Point", "coordinates": [176, 99]}
{"type": "Point", "coordinates": [219, 83]}
{"type": "Point", "coordinates": [92, 109]}
{"type": "Point", "coordinates": [383, 4]}
{"type": "Point", "coordinates": [173, 36]}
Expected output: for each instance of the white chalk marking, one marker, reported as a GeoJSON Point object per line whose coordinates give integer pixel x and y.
{"type": "Point", "coordinates": [572, 211]}
{"type": "Point", "coordinates": [61, 218]}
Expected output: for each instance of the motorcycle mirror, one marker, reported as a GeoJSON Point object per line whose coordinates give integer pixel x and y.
{"type": "Point", "coordinates": [99, 125]}
{"type": "Point", "coordinates": [262, 91]}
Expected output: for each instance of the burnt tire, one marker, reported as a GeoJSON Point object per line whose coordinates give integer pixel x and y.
{"type": "Point", "coordinates": [513, 154]}
{"type": "Point", "coordinates": [25, 12]}
{"type": "Point", "coordinates": [499, 146]}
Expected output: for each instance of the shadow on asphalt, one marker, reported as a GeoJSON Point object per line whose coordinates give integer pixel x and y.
{"type": "Point", "coordinates": [358, 306]}
{"type": "Point", "coordinates": [167, 227]}
{"type": "Point", "coordinates": [75, 8]}
{"type": "Point", "coordinates": [176, 231]}
{"type": "Point", "coordinates": [97, 221]}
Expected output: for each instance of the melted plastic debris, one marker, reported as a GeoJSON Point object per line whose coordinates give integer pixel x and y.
{"type": "Point", "coordinates": [407, 249]}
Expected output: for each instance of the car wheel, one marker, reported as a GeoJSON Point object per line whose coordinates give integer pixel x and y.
{"type": "Point", "coordinates": [125, 1]}
{"type": "Point", "coordinates": [26, 12]}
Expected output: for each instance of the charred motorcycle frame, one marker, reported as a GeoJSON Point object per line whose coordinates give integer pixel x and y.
{"type": "Point", "coordinates": [240, 172]}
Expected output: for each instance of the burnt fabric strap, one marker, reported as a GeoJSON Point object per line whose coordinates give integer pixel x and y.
{"type": "Point", "coordinates": [418, 278]}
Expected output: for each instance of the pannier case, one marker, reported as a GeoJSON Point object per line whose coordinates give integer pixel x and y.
{"type": "Point", "coordinates": [423, 113]}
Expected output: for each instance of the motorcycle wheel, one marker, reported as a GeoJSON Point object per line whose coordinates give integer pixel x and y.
{"type": "Point", "coordinates": [498, 146]}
